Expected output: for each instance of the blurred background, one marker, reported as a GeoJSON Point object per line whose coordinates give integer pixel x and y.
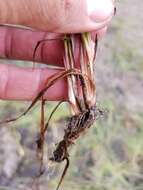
{"type": "Point", "coordinates": [110, 155]}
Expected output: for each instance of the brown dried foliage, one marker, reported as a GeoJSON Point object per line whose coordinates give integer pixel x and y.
{"type": "Point", "coordinates": [82, 98]}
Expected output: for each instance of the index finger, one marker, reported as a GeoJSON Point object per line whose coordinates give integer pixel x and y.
{"type": "Point", "coordinates": [19, 44]}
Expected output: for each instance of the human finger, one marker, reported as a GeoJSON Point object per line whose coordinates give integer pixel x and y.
{"type": "Point", "coordinates": [19, 44]}
{"type": "Point", "coordinates": [66, 16]}
{"type": "Point", "coordinates": [25, 83]}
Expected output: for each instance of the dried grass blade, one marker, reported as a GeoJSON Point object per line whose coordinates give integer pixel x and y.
{"type": "Point", "coordinates": [64, 173]}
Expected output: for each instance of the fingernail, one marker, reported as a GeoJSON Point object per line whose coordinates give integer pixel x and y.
{"type": "Point", "coordinates": [100, 10]}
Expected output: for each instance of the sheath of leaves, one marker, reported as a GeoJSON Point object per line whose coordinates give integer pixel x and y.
{"type": "Point", "coordinates": [86, 63]}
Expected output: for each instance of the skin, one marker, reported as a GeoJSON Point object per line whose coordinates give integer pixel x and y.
{"type": "Point", "coordinates": [45, 19]}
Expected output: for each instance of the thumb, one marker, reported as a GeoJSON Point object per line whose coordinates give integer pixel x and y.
{"type": "Point", "coordinates": [62, 16]}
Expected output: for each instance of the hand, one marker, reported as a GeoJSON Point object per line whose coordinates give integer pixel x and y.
{"type": "Point", "coordinates": [43, 16]}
